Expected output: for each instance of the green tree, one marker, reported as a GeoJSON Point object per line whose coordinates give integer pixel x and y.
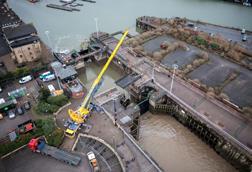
{"type": "Point", "coordinates": [48, 126]}
{"type": "Point", "coordinates": [44, 107]}
{"type": "Point", "coordinates": [60, 100]}
{"type": "Point", "coordinates": [55, 138]}
{"type": "Point", "coordinates": [44, 93]}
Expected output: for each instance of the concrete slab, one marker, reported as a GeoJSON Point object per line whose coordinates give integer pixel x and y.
{"type": "Point", "coordinates": [27, 161]}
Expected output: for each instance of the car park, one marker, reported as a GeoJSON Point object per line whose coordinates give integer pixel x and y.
{"type": "Point", "coordinates": [11, 114]}
{"type": "Point", "coordinates": [25, 79]}
{"type": "Point", "coordinates": [19, 110]}
{"type": "Point", "coordinates": [27, 105]}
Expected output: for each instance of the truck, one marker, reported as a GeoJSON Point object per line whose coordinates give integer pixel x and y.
{"type": "Point", "coordinates": [39, 145]}
{"type": "Point", "coordinates": [93, 161]}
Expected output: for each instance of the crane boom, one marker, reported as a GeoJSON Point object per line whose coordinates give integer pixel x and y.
{"type": "Point", "coordinates": [79, 115]}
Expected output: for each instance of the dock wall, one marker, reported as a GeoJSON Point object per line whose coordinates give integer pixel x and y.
{"type": "Point", "coordinates": [221, 146]}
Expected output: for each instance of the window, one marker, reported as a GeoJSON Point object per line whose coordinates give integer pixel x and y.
{"type": "Point", "coordinates": [21, 56]}
{"type": "Point", "coordinates": [29, 48]}
{"type": "Point", "coordinates": [30, 53]}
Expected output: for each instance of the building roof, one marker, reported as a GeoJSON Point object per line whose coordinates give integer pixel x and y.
{"type": "Point", "coordinates": [63, 72]}
{"type": "Point", "coordinates": [25, 41]}
{"type": "Point", "coordinates": [20, 31]}
{"type": "Point", "coordinates": [4, 48]}
{"type": "Point", "coordinates": [7, 16]}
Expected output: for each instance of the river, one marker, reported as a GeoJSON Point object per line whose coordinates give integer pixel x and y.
{"type": "Point", "coordinates": [177, 149]}
{"type": "Point", "coordinates": [166, 140]}
{"type": "Point", "coordinates": [67, 29]}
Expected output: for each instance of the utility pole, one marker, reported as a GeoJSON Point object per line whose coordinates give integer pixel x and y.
{"type": "Point", "coordinates": [153, 70]}
{"type": "Point", "coordinates": [96, 25]}
{"type": "Point", "coordinates": [174, 66]}
{"type": "Point", "coordinates": [115, 115]}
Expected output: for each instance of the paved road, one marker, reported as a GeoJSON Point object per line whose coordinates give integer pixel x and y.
{"type": "Point", "coordinates": [27, 161]}
{"type": "Point", "coordinates": [231, 122]}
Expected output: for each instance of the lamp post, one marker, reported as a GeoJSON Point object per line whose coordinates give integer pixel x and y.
{"type": "Point", "coordinates": [115, 111]}
{"type": "Point", "coordinates": [174, 66]}
{"type": "Point", "coordinates": [96, 25]}
{"type": "Point", "coordinates": [153, 70]}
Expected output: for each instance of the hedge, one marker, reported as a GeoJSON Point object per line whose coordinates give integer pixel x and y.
{"type": "Point", "coordinates": [55, 138]}
{"type": "Point", "coordinates": [45, 127]}
{"type": "Point", "coordinates": [22, 140]}
{"type": "Point", "coordinates": [60, 100]}
{"type": "Point", "coordinates": [44, 107]}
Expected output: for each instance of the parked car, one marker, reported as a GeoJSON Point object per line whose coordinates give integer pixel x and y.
{"type": "Point", "coordinates": [67, 122]}
{"type": "Point", "coordinates": [11, 114]}
{"type": "Point", "coordinates": [1, 90]}
{"type": "Point", "coordinates": [19, 110]}
{"type": "Point", "coordinates": [190, 24]}
{"type": "Point", "coordinates": [244, 38]}
{"type": "Point", "coordinates": [1, 116]}
{"type": "Point", "coordinates": [25, 79]}
{"type": "Point", "coordinates": [43, 75]}
{"type": "Point", "coordinates": [27, 105]}
{"type": "Point", "coordinates": [93, 161]}
{"type": "Point", "coordinates": [49, 78]}
{"type": "Point", "coordinates": [243, 31]}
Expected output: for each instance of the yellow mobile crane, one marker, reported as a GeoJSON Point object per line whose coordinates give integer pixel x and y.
{"type": "Point", "coordinates": [79, 116]}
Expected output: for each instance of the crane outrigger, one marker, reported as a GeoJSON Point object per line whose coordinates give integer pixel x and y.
{"type": "Point", "coordinates": [80, 115]}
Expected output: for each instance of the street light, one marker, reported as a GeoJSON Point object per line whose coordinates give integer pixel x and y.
{"type": "Point", "coordinates": [153, 70]}
{"type": "Point", "coordinates": [96, 25]}
{"type": "Point", "coordinates": [174, 66]}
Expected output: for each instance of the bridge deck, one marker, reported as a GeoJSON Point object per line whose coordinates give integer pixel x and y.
{"type": "Point", "coordinates": [234, 126]}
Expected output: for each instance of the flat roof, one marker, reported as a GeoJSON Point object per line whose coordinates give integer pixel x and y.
{"type": "Point", "coordinates": [127, 80]}
{"type": "Point", "coordinates": [7, 16]}
{"type": "Point", "coordinates": [25, 41]}
{"type": "Point", "coordinates": [63, 72]}
{"type": "Point", "coordinates": [20, 31]}
{"type": "Point", "coordinates": [4, 48]}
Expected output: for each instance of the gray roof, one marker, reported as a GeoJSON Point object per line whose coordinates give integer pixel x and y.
{"type": "Point", "coordinates": [7, 16]}
{"type": "Point", "coordinates": [20, 31]}
{"type": "Point", "coordinates": [63, 72]}
{"type": "Point", "coordinates": [4, 48]}
{"type": "Point", "coordinates": [127, 80]}
{"type": "Point", "coordinates": [25, 41]}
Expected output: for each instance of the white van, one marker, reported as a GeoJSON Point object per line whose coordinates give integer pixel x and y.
{"type": "Point", "coordinates": [49, 78]}
{"type": "Point", "coordinates": [51, 88]}
{"type": "Point", "coordinates": [25, 79]}
{"type": "Point", "coordinates": [43, 75]}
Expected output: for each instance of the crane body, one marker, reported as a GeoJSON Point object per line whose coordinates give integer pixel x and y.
{"type": "Point", "coordinates": [80, 115]}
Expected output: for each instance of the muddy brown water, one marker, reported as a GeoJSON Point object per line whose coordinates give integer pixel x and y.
{"type": "Point", "coordinates": [176, 149]}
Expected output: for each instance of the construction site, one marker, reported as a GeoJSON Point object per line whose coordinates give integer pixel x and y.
{"type": "Point", "coordinates": [196, 73]}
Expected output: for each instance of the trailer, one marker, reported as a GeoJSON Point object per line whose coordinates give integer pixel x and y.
{"type": "Point", "coordinates": [39, 145]}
